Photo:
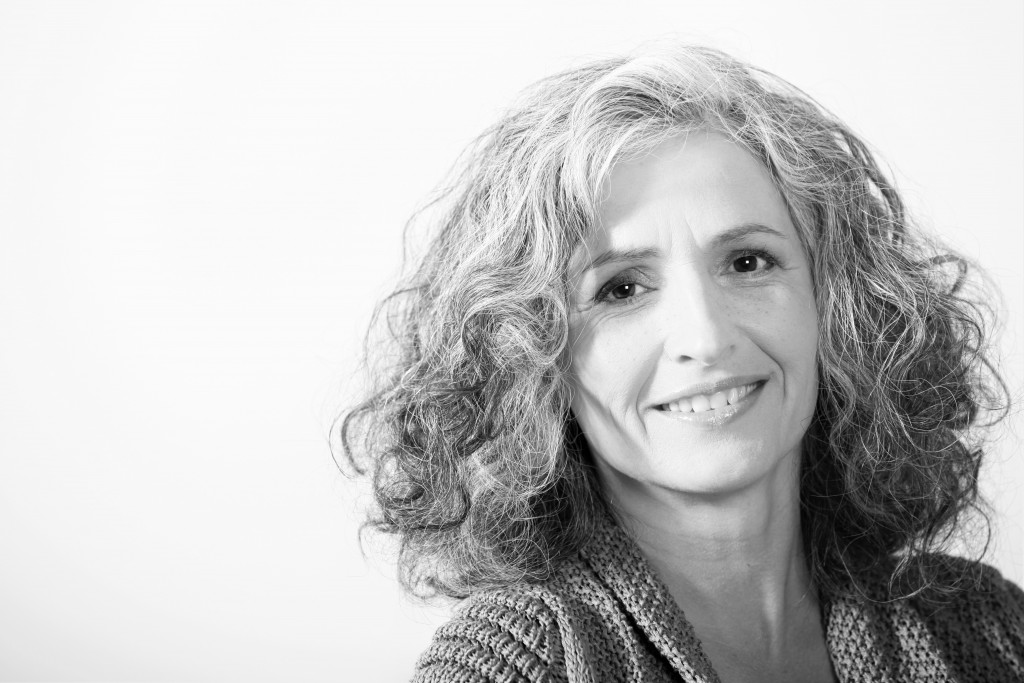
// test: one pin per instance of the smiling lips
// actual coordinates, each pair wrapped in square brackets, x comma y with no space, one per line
[701,403]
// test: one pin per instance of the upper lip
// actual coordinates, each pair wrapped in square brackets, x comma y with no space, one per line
[709,388]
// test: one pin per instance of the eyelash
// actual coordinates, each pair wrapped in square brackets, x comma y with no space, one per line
[619,280]
[604,294]
[770,261]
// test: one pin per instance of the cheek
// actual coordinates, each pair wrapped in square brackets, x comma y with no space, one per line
[604,401]
[799,330]
[797,343]
[783,323]
[608,366]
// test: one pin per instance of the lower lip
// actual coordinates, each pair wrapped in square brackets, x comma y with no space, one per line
[718,416]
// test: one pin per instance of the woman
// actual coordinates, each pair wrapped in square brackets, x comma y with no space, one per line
[678,393]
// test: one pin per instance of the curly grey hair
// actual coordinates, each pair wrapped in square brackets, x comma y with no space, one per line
[476,462]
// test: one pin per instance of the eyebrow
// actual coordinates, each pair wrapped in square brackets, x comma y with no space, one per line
[734,234]
[741,231]
[619,255]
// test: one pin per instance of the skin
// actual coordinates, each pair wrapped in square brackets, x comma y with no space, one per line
[696,274]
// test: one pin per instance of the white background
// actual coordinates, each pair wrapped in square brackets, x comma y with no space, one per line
[199,205]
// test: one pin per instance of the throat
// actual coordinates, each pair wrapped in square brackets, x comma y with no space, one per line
[740,652]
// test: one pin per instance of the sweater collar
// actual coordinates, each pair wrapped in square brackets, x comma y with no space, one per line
[617,560]
[867,637]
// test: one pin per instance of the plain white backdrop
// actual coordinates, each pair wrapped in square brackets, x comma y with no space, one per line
[200,204]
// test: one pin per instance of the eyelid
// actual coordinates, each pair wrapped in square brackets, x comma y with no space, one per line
[771,261]
[628,276]
[635,277]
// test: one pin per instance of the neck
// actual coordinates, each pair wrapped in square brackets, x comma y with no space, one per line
[733,561]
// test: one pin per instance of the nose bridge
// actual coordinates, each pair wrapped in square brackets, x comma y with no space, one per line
[698,326]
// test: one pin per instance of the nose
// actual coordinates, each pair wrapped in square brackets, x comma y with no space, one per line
[698,322]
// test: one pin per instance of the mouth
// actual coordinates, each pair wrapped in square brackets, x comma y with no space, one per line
[719,401]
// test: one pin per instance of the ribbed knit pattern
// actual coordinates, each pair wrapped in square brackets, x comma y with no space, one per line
[605,617]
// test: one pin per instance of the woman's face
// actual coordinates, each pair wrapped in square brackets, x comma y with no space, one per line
[693,330]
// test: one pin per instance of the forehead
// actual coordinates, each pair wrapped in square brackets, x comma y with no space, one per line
[700,181]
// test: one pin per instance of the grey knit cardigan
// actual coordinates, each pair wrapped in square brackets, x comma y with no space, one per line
[605,616]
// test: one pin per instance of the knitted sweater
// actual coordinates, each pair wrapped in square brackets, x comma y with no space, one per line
[605,616]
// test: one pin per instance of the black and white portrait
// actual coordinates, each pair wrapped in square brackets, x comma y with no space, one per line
[560,341]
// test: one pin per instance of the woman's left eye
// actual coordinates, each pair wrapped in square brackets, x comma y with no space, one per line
[753,262]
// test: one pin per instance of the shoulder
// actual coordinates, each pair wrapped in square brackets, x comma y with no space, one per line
[497,635]
[523,632]
[974,593]
[981,626]
[973,626]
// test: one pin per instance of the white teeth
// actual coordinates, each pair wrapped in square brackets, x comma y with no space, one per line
[705,402]
[700,403]
[680,406]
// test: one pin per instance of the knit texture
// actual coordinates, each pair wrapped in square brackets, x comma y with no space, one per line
[605,616]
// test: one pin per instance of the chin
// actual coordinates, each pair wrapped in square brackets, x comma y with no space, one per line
[728,474]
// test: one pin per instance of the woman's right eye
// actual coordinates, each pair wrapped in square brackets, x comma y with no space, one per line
[623,291]
[620,290]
